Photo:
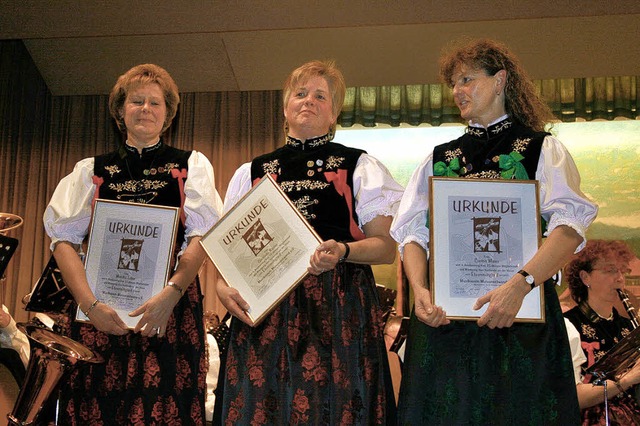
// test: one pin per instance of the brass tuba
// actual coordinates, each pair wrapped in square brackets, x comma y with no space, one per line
[52,356]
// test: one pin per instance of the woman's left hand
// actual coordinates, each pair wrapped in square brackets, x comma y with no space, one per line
[156,312]
[325,257]
[504,304]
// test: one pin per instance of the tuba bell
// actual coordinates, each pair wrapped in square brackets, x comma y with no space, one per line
[52,356]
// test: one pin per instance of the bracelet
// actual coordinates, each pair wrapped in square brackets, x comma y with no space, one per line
[619,386]
[176,287]
[93,305]
[347,249]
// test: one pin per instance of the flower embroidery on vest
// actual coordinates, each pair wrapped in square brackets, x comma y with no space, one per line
[299,185]
[303,203]
[333,162]
[112,169]
[271,167]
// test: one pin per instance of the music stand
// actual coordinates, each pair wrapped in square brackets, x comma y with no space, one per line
[7,248]
[50,295]
[616,362]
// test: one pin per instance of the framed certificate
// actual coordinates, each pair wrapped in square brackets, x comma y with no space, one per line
[481,233]
[129,254]
[262,247]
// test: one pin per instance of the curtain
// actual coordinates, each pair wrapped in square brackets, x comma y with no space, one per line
[42,137]
[569,98]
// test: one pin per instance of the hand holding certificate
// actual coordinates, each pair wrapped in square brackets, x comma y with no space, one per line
[262,247]
[129,254]
[481,233]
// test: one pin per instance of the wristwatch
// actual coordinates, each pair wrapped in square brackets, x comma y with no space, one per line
[344,257]
[528,278]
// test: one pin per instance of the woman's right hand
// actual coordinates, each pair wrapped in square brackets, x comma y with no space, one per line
[105,319]
[426,312]
[235,304]
[631,377]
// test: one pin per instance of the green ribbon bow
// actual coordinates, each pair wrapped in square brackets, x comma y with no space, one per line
[441,169]
[511,166]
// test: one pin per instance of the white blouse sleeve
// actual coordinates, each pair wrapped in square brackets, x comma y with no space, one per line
[67,216]
[12,338]
[239,185]
[410,223]
[577,354]
[202,205]
[375,190]
[561,200]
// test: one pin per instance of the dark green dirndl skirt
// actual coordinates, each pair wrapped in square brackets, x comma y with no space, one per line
[462,374]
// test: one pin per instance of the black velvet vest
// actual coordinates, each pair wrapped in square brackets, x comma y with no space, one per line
[506,150]
[317,175]
[156,176]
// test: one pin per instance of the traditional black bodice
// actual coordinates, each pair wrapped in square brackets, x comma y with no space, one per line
[505,150]
[156,176]
[318,178]
[597,335]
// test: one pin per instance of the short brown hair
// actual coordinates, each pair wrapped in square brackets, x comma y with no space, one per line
[325,69]
[137,76]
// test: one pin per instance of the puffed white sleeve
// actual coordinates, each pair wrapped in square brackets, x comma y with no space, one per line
[577,354]
[561,200]
[410,222]
[375,190]
[202,205]
[239,185]
[12,338]
[68,214]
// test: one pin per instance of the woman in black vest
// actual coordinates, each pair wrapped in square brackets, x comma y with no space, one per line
[319,357]
[594,276]
[155,373]
[493,371]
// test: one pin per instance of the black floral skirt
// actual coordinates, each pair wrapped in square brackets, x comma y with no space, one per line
[143,381]
[318,358]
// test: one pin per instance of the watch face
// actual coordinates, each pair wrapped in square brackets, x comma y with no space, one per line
[529,279]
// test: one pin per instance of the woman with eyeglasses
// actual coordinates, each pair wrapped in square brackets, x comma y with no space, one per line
[595,326]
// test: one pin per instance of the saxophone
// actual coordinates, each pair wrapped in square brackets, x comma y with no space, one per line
[624,297]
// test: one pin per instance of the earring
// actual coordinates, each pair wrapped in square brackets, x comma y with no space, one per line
[286,128]
[331,133]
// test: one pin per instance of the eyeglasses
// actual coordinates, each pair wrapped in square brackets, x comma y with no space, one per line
[612,270]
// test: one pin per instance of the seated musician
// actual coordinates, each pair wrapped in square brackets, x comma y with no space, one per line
[594,326]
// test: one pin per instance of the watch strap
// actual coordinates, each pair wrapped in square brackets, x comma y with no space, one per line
[528,278]
[344,257]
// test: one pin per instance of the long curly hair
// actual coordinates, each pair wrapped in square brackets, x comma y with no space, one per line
[326,69]
[138,76]
[521,99]
[584,261]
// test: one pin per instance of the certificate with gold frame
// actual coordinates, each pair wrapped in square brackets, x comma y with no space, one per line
[482,231]
[129,254]
[262,247]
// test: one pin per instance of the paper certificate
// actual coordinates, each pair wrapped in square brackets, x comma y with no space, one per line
[129,254]
[481,233]
[262,247]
